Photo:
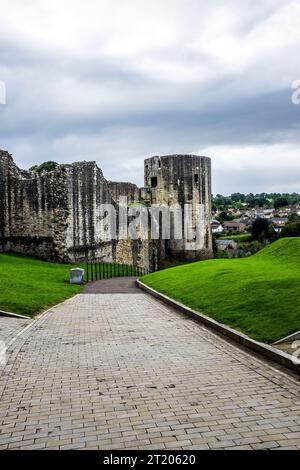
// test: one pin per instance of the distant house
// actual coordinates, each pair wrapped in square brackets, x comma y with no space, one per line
[279,222]
[234,226]
[263,213]
[268,213]
[233,211]
[295,209]
[216,227]
[248,221]
[230,246]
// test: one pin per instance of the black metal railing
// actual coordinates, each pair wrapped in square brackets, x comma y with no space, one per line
[97,271]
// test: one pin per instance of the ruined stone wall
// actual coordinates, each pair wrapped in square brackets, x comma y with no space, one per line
[4,162]
[89,231]
[87,189]
[88,237]
[129,190]
[34,211]
[58,216]
[183,180]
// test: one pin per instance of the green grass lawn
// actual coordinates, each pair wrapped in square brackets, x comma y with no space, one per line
[258,295]
[29,285]
[242,237]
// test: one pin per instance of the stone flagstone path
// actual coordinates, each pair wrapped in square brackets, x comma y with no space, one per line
[123,371]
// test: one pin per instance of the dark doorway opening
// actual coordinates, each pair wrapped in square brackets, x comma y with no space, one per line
[154,182]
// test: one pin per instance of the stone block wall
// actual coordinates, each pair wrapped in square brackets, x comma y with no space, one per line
[57,215]
[129,190]
[184,181]
[34,211]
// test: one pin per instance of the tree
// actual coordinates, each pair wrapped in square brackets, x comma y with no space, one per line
[262,229]
[239,200]
[224,216]
[291,229]
[237,197]
[281,201]
[214,244]
[294,218]
[44,167]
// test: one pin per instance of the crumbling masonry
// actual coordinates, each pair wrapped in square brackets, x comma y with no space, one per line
[55,215]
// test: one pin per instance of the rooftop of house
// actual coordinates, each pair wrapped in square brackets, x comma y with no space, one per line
[233,223]
[226,243]
[279,219]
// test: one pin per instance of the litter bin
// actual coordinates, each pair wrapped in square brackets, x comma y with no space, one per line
[77,276]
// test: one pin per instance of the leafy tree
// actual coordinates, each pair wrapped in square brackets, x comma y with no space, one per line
[44,167]
[237,197]
[214,245]
[221,202]
[294,218]
[262,229]
[238,200]
[294,198]
[291,229]
[224,216]
[281,201]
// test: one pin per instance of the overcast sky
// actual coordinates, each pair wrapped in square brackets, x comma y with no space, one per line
[117,81]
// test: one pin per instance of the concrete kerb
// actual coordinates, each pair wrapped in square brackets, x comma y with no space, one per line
[289,338]
[265,350]
[14,315]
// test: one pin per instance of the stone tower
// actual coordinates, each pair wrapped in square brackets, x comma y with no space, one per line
[185,181]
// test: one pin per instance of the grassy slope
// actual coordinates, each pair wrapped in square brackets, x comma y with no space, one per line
[29,285]
[259,295]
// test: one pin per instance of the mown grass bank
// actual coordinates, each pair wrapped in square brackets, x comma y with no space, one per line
[29,285]
[258,295]
[242,237]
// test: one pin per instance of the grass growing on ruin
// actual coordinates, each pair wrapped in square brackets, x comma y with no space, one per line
[29,285]
[259,295]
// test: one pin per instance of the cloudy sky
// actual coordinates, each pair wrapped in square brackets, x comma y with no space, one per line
[117,81]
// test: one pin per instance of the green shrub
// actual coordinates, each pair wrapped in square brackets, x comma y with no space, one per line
[291,229]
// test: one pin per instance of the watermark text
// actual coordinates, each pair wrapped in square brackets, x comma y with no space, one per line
[296,94]
[2,93]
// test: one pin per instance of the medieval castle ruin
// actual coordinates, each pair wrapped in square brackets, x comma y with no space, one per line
[58,215]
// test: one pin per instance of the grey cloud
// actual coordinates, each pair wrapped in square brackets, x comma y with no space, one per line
[67,106]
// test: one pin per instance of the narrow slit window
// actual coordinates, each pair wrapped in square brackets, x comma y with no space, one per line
[196,178]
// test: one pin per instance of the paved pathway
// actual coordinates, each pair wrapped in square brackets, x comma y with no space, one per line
[120,285]
[10,327]
[123,371]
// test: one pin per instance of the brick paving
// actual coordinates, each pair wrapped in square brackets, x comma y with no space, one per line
[10,326]
[120,285]
[123,371]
